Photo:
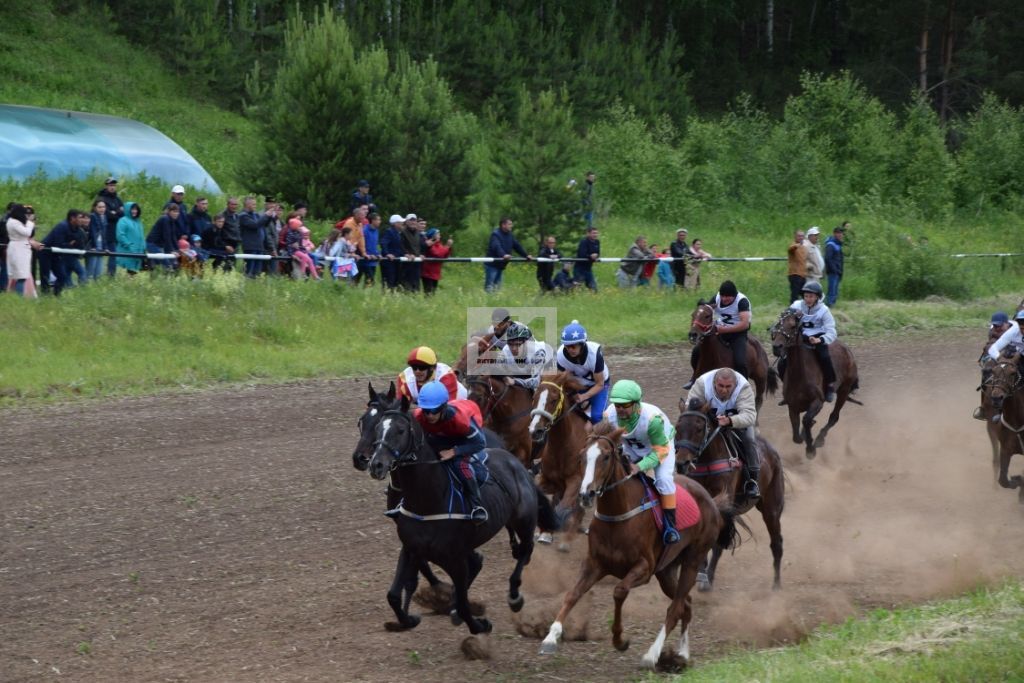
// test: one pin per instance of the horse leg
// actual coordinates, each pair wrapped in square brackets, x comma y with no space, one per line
[993,437]
[591,573]
[460,570]
[620,593]
[1005,454]
[716,555]
[680,610]
[794,420]
[522,551]
[703,582]
[569,510]
[808,421]
[772,515]
[475,564]
[405,575]
[833,418]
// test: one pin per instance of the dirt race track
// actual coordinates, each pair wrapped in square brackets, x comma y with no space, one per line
[224,536]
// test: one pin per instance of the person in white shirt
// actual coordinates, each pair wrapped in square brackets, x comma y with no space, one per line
[819,330]
[1012,339]
[525,359]
[815,261]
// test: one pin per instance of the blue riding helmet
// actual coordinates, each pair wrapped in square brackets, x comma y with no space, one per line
[433,395]
[574,333]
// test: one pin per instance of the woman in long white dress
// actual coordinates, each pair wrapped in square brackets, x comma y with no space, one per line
[20,227]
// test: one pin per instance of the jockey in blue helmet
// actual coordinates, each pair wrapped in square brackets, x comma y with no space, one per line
[585,360]
[453,429]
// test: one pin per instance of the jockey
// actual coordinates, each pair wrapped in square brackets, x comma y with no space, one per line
[819,330]
[1011,339]
[524,357]
[423,368]
[732,318]
[999,324]
[585,361]
[649,443]
[732,397]
[453,430]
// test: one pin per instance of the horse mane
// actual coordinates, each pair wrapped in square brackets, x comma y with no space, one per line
[604,428]
[565,378]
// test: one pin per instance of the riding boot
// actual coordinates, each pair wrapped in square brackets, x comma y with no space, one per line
[478,512]
[753,463]
[978,415]
[689,385]
[670,535]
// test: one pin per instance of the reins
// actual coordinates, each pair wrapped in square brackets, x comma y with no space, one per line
[409,456]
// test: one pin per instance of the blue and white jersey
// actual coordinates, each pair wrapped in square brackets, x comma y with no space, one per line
[1011,339]
[816,320]
[590,362]
[730,315]
[730,404]
[536,358]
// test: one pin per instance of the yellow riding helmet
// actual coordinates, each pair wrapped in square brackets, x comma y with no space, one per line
[422,355]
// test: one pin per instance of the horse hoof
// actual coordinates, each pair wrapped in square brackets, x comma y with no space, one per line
[544,537]
[547,648]
[456,619]
[703,586]
[671,663]
[516,604]
[477,609]
[798,439]
[410,621]
[622,646]
[563,547]
[482,626]
[810,453]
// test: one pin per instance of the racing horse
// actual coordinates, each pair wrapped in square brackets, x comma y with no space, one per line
[558,431]
[1003,385]
[431,529]
[803,385]
[438,595]
[715,353]
[506,409]
[719,470]
[625,542]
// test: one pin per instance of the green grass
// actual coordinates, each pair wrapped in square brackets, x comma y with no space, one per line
[973,638]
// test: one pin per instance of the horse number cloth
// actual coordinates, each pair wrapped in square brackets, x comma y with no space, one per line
[687,510]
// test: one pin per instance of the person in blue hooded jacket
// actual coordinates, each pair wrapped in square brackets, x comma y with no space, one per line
[129,238]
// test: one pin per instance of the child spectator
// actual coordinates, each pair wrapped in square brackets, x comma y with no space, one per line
[647,272]
[665,271]
[188,259]
[431,272]
[304,264]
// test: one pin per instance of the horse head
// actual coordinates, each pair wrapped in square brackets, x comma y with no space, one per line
[702,322]
[1003,380]
[785,332]
[604,464]
[397,440]
[484,393]
[377,404]
[695,428]
[552,400]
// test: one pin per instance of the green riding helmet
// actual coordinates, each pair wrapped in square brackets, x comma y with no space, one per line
[626,391]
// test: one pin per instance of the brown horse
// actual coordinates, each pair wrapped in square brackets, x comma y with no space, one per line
[625,542]
[719,470]
[1004,385]
[715,353]
[803,385]
[558,432]
[988,411]
[506,410]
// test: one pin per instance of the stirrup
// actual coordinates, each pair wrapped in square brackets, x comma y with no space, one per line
[670,536]
[751,489]
[689,385]
[978,414]
[479,514]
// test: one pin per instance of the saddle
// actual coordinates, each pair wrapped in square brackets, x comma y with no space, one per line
[687,510]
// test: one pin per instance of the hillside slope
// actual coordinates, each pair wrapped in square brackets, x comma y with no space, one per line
[75,61]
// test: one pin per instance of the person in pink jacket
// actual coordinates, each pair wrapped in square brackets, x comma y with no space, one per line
[431,273]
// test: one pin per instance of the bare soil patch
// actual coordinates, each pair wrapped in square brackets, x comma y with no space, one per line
[224,535]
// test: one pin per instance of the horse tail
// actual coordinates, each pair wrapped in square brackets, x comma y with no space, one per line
[728,535]
[547,518]
[773,380]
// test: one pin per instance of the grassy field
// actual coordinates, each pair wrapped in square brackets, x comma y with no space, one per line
[973,638]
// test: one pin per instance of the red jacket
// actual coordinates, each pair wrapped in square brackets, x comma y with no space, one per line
[432,269]
[458,429]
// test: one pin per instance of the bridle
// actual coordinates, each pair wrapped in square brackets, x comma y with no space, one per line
[706,329]
[707,435]
[415,442]
[490,400]
[553,417]
[607,483]
[991,381]
[790,337]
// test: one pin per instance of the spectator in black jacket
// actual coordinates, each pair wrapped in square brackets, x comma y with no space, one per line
[679,250]
[70,233]
[115,208]
[362,197]
[501,246]
[252,235]
[589,249]
[546,271]
[216,244]
[412,244]
[163,236]
[178,198]
[231,236]
[199,220]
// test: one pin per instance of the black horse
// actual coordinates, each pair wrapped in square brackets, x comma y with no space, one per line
[429,531]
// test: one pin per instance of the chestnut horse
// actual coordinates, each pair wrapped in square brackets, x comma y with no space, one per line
[558,432]
[506,410]
[717,469]
[803,385]
[715,353]
[625,542]
[1004,385]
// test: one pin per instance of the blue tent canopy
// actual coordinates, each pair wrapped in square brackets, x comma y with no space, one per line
[62,143]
